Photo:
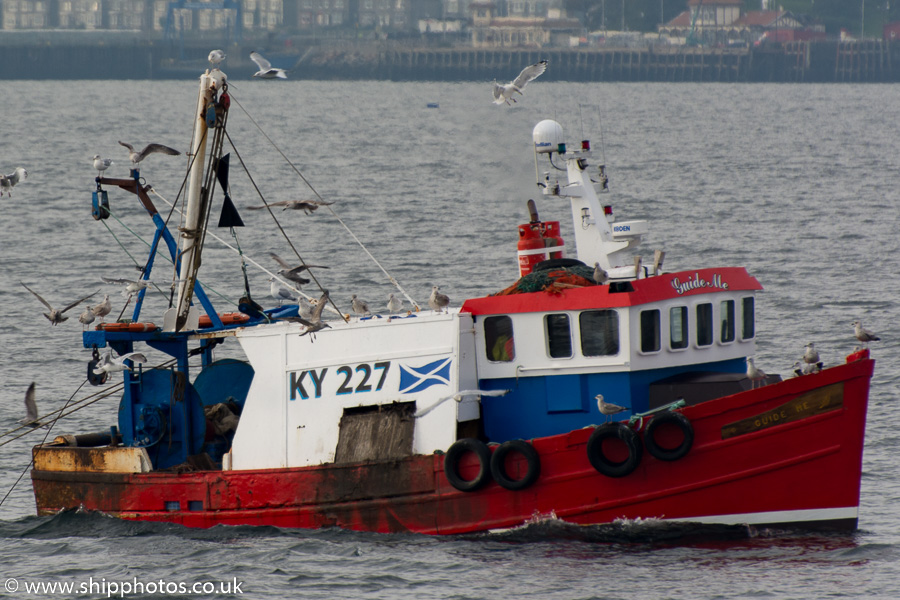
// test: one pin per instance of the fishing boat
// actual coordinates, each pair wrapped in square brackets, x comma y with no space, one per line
[596,386]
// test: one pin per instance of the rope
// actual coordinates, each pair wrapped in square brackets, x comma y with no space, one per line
[390,277]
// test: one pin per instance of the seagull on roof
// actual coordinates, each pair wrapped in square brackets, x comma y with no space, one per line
[149,149]
[438,301]
[280,292]
[293,273]
[56,316]
[108,364]
[266,70]
[600,275]
[314,323]
[131,286]
[608,408]
[7,182]
[360,306]
[756,375]
[31,411]
[101,164]
[864,335]
[215,58]
[307,206]
[504,93]
[394,304]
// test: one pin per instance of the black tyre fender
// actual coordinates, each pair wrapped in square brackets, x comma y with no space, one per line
[498,463]
[455,454]
[602,463]
[669,454]
[557,263]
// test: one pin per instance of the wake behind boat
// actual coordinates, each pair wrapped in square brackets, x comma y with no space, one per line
[591,388]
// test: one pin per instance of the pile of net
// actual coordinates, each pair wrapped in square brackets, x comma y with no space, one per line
[552,280]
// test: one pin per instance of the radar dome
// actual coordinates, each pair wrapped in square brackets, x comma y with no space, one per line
[547,135]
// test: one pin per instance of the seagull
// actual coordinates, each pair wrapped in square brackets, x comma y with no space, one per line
[503,93]
[7,182]
[394,304]
[149,149]
[215,57]
[600,276]
[101,164]
[266,70]
[864,335]
[87,317]
[803,368]
[608,408]
[293,273]
[280,292]
[131,286]
[314,323]
[108,364]
[104,308]
[360,306]
[438,302]
[56,316]
[811,356]
[307,206]
[31,411]
[755,375]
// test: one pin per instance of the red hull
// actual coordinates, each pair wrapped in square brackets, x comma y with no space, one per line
[788,453]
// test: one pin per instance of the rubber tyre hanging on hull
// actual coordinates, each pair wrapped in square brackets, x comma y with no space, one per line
[669,454]
[451,464]
[498,465]
[602,463]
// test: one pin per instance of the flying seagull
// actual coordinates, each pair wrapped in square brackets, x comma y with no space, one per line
[102,164]
[266,70]
[307,206]
[31,411]
[608,408]
[149,149]
[108,364]
[131,286]
[864,335]
[360,306]
[56,316]
[293,273]
[7,182]
[215,57]
[438,301]
[315,323]
[504,93]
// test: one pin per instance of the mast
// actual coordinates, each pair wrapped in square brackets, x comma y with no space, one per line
[191,233]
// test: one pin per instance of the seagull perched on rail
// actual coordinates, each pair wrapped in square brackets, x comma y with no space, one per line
[314,323]
[755,375]
[101,164]
[31,411]
[104,308]
[149,149]
[280,292]
[864,335]
[394,304]
[56,316]
[504,93]
[307,206]
[108,364]
[7,182]
[266,70]
[215,58]
[359,306]
[438,301]
[600,275]
[608,408]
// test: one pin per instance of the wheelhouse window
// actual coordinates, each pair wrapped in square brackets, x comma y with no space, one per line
[559,335]
[678,323]
[726,320]
[599,332]
[650,331]
[498,339]
[704,324]
[748,327]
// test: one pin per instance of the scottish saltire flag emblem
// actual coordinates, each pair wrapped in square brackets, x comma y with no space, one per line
[416,379]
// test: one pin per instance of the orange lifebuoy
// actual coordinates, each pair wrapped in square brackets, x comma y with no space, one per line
[129,327]
[227,319]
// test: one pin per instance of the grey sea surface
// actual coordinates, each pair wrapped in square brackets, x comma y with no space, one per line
[799,183]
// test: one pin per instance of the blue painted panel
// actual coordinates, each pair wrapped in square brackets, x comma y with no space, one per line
[563,393]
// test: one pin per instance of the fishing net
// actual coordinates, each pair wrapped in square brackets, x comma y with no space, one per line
[552,280]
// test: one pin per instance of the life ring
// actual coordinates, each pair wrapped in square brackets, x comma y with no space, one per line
[669,418]
[129,327]
[601,462]
[232,318]
[498,464]
[455,454]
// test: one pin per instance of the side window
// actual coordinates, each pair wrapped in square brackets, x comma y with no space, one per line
[650,330]
[678,322]
[498,339]
[748,328]
[704,324]
[599,332]
[726,318]
[559,336]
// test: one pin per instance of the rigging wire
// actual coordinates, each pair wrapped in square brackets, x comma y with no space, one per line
[390,277]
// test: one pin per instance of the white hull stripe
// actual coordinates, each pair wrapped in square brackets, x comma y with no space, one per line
[779,516]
